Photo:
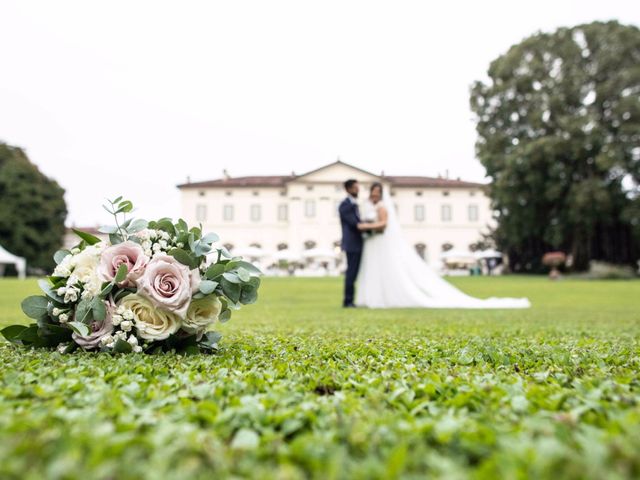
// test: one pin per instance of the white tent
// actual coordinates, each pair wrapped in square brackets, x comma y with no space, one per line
[458,256]
[7,258]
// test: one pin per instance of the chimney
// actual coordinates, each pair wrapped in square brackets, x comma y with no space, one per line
[225,174]
[188,179]
[446,174]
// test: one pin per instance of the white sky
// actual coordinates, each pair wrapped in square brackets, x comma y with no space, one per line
[131,97]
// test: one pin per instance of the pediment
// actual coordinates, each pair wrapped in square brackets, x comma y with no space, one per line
[337,172]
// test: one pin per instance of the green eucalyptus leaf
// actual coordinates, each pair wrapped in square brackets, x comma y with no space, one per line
[231,277]
[108,229]
[137,226]
[183,257]
[35,306]
[60,255]
[79,328]
[210,238]
[98,309]
[207,286]
[215,271]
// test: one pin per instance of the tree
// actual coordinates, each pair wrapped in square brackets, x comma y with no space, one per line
[32,210]
[558,127]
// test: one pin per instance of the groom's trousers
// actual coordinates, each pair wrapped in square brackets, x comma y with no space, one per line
[353,266]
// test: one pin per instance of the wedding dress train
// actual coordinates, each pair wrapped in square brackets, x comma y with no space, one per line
[392,275]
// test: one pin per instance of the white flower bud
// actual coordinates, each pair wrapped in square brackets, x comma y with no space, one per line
[64,318]
[128,314]
[56,312]
[126,325]
[61,291]
[133,341]
[137,349]
[116,320]
[62,347]
[104,341]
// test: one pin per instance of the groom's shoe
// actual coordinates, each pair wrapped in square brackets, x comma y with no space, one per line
[349,305]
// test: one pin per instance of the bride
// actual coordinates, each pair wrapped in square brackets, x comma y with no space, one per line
[392,274]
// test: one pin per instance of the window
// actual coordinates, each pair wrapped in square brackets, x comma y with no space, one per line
[421,250]
[201,193]
[255,213]
[282,246]
[255,193]
[446,213]
[309,244]
[309,208]
[445,194]
[418,213]
[227,213]
[201,212]
[283,212]
[473,213]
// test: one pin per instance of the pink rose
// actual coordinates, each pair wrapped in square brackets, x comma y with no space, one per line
[167,283]
[128,253]
[97,330]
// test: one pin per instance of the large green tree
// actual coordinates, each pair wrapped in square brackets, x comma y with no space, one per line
[558,124]
[32,209]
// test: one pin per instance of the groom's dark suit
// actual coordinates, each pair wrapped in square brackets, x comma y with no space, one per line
[351,244]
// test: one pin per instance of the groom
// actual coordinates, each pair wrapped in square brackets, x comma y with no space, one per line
[351,239]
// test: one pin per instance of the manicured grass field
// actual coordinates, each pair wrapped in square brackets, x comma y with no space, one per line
[304,389]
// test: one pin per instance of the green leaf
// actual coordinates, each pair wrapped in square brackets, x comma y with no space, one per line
[108,229]
[84,310]
[12,333]
[215,271]
[45,286]
[29,335]
[210,238]
[121,274]
[224,316]
[231,277]
[183,257]
[124,206]
[115,239]
[35,306]
[207,286]
[231,290]
[243,274]
[137,226]
[98,309]
[87,237]
[122,347]
[60,255]
[116,200]
[106,289]
[248,295]
[79,328]
[166,225]
[201,249]
[182,225]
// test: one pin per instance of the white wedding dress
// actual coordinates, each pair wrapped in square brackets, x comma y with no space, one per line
[392,274]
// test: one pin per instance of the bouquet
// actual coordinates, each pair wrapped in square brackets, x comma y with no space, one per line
[154,286]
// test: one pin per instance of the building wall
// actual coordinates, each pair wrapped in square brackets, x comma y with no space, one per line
[320,193]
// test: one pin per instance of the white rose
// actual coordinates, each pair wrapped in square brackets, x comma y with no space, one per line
[152,322]
[201,314]
[86,270]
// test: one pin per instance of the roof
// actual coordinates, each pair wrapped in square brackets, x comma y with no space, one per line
[253,181]
[282,180]
[434,182]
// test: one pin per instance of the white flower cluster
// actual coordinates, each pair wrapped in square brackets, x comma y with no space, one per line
[62,315]
[80,270]
[109,341]
[155,242]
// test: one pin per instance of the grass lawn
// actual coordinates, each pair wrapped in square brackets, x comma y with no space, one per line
[304,389]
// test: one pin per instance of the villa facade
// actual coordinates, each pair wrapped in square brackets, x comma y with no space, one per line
[300,212]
